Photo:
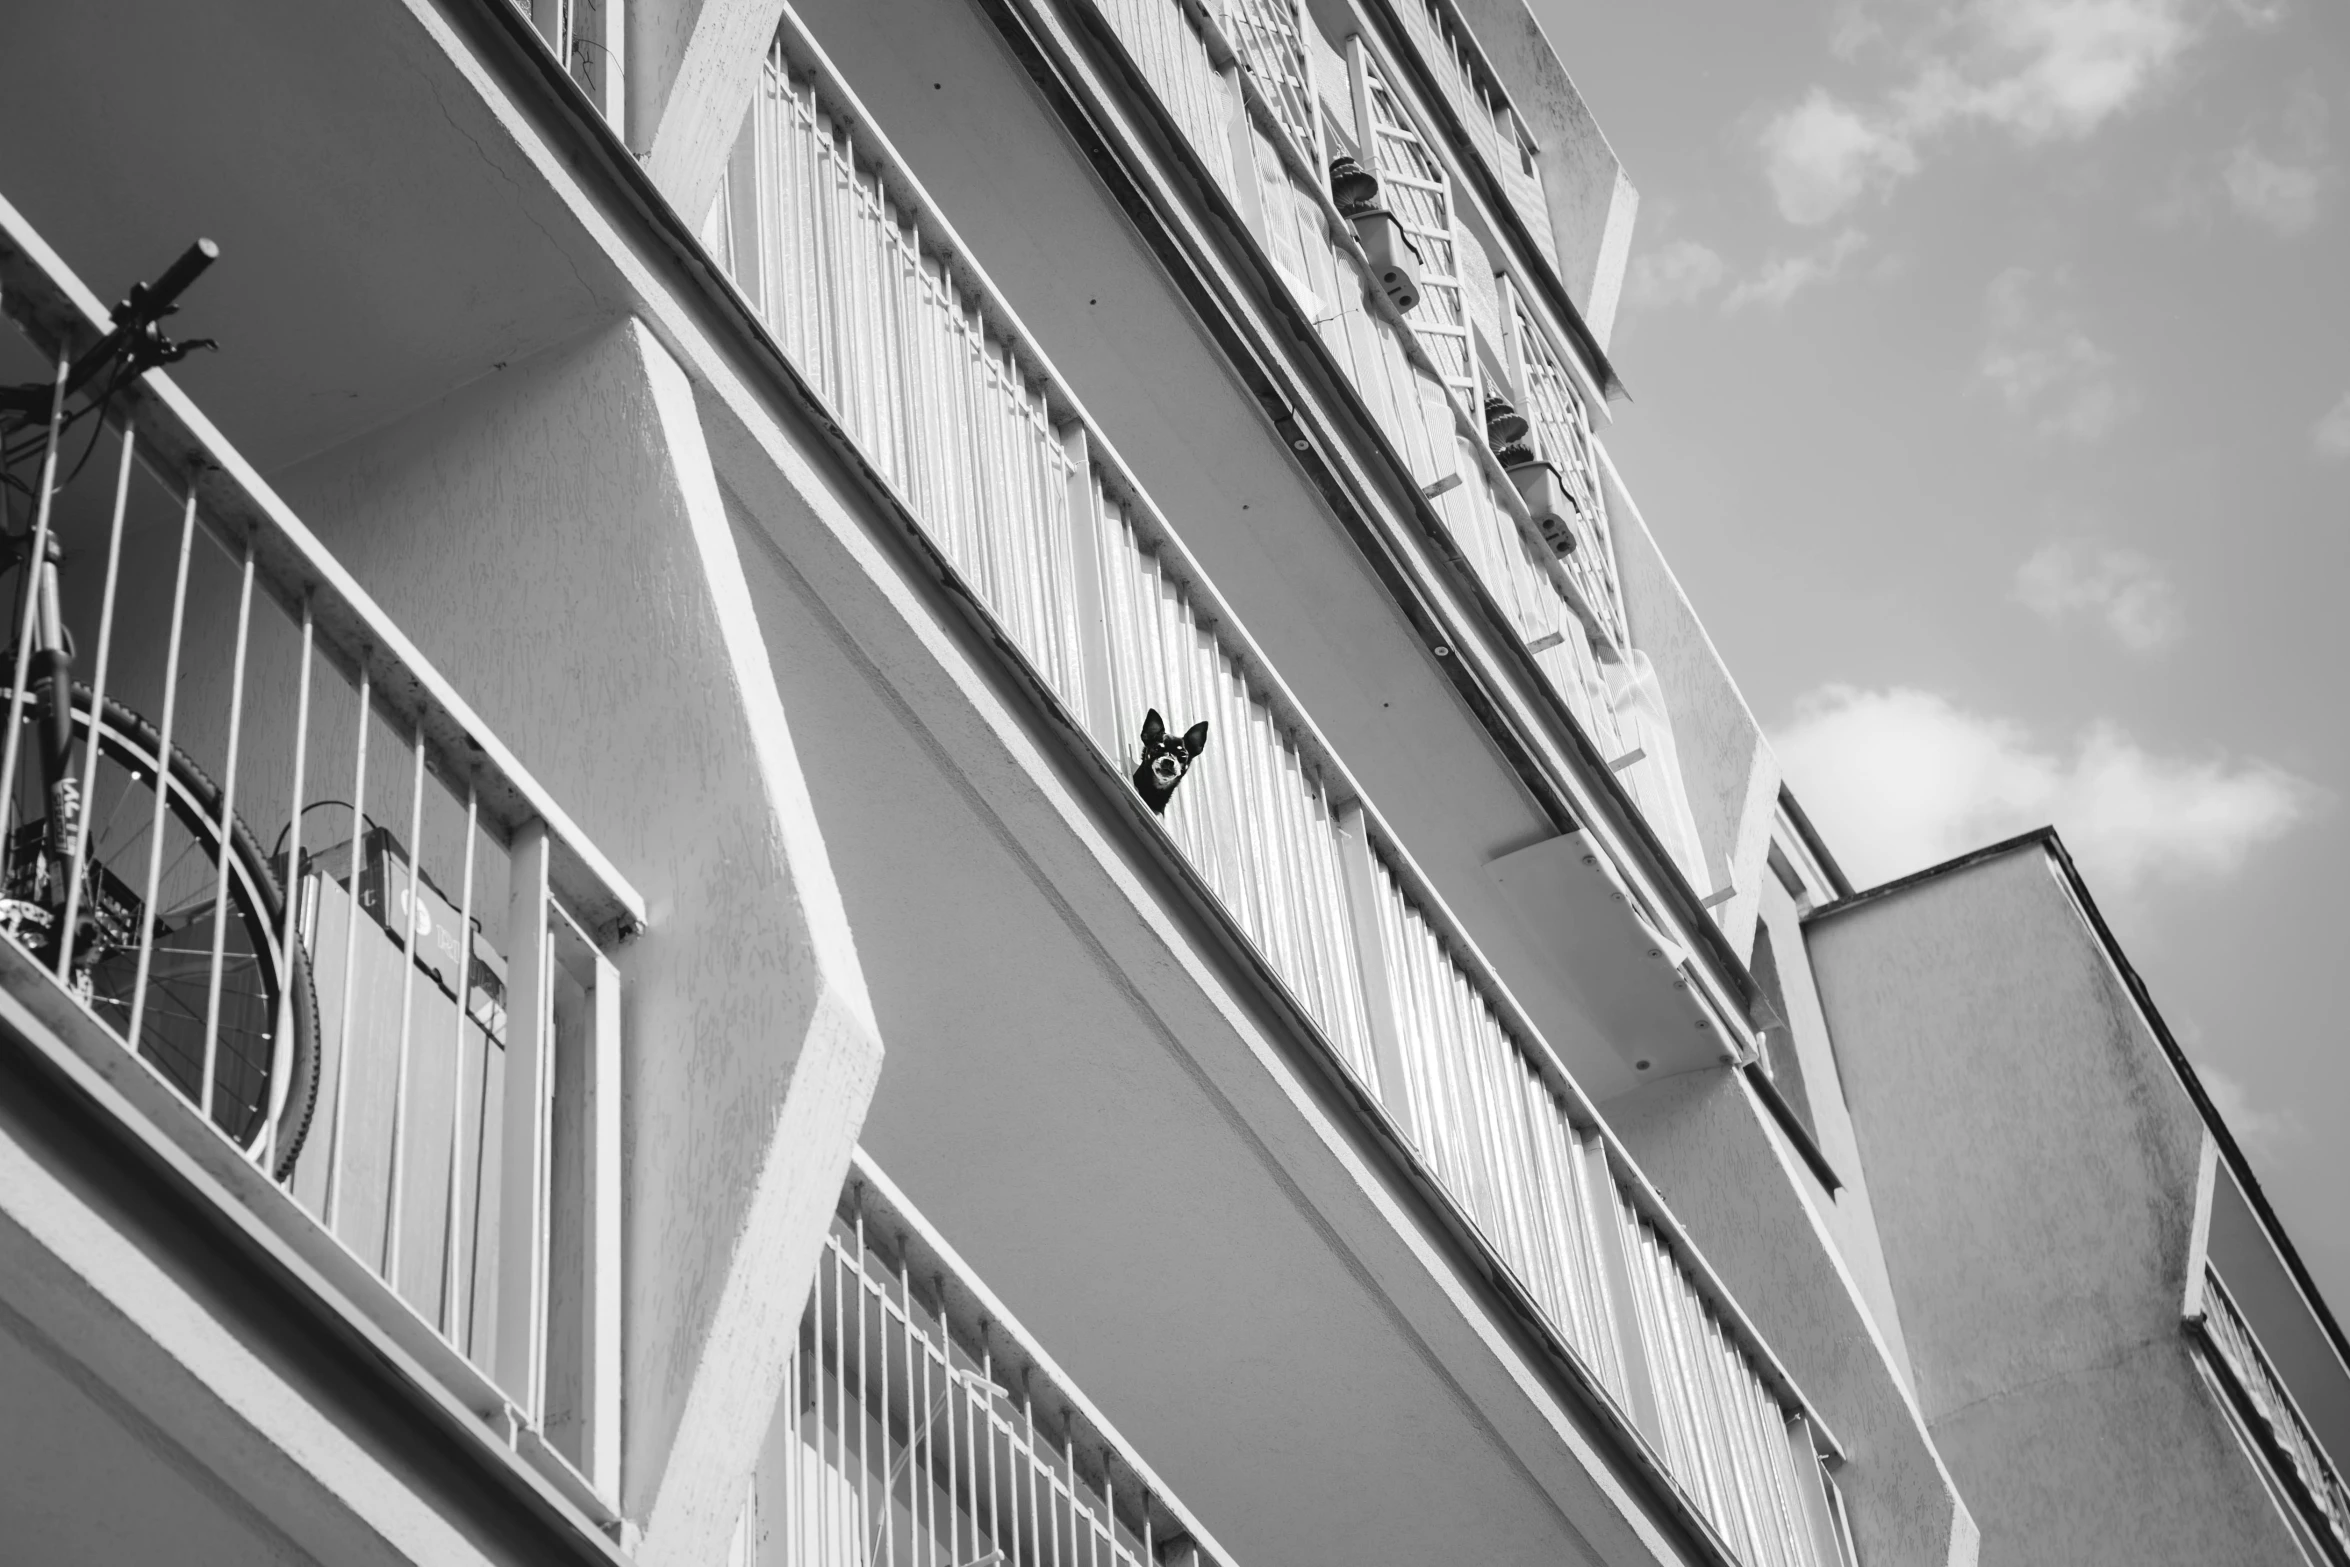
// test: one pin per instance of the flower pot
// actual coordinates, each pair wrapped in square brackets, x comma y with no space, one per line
[1352,186]
[1545,495]
[1394,263]
[1504,425]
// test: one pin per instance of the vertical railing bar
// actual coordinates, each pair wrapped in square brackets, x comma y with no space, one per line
[281,1056]
[394,1207]
[171,677]
[449,1253]
[864,1395]
[77,859]
[997,1425]
[335,1149]
[946,1360]
[913,1407]
[828,1380]
[885,1534]
[36,557]
[225,834]
[543,1174]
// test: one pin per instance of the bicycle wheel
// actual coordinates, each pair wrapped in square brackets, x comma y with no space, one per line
[265,1056]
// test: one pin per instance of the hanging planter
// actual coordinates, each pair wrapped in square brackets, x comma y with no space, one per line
[1395,261]
[1546,498]
[1506,429]
[1352,186]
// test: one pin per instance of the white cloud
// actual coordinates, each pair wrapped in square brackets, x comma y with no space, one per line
[2280,196]
[1901,779]
[2332,435]
[2121,589]
[1783,277]
[2044,367]
[2283,190]
[1820,156]
[2046,68]
[2277,174]
[1676,273]
[2036,70]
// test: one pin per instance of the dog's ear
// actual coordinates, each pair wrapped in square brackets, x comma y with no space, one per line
[1154,728]
[1195,739]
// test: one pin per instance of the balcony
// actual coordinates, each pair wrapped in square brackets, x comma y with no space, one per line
[1021,505]
[588,40]
[311,930]
[2280,1430]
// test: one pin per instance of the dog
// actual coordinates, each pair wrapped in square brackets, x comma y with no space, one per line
[1165,759]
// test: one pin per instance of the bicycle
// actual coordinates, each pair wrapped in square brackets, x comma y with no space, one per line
[166,879]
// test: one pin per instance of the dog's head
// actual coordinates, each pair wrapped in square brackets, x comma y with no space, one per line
[1166,758]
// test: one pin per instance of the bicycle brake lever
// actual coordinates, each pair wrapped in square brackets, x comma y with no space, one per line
[170,353]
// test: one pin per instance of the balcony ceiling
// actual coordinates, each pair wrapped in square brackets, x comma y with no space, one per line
[380,240]
[89,1481]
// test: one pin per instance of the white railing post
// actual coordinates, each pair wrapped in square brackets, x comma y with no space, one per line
[1363,898]
[1819,1509]
[1093,614]
[1639,1389]
[522,1179]
[600,1445]
[608,62]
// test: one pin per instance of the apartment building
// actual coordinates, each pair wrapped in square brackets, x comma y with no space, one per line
[630,946]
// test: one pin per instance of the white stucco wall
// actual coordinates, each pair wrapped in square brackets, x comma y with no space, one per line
[2033,1160]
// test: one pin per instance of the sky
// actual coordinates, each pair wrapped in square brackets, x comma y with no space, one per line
[1989,365]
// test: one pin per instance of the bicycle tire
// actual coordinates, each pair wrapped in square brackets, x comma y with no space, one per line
[193,801]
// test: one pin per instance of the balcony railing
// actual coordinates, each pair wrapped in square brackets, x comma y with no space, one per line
[1421,377]
[366,972]
[589,39]
[1492,122]
[919,1427]
[915,357]
[2308,1470]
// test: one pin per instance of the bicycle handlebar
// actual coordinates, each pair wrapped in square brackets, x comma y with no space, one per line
[165,290]
[148,304]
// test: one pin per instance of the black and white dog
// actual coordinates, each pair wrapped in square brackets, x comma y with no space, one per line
[1165,759]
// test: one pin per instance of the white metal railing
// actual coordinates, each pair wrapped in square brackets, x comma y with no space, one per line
[589,38]
[1496,132]
[1254,816]
[918,1427]
[1270,38]
[902,349]
[395,1003]
[1172,45]
[2306,1466]
[917,359]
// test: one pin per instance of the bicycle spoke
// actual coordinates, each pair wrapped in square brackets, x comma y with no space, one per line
[182,918]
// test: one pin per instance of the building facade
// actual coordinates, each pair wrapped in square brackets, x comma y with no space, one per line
[898,785]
